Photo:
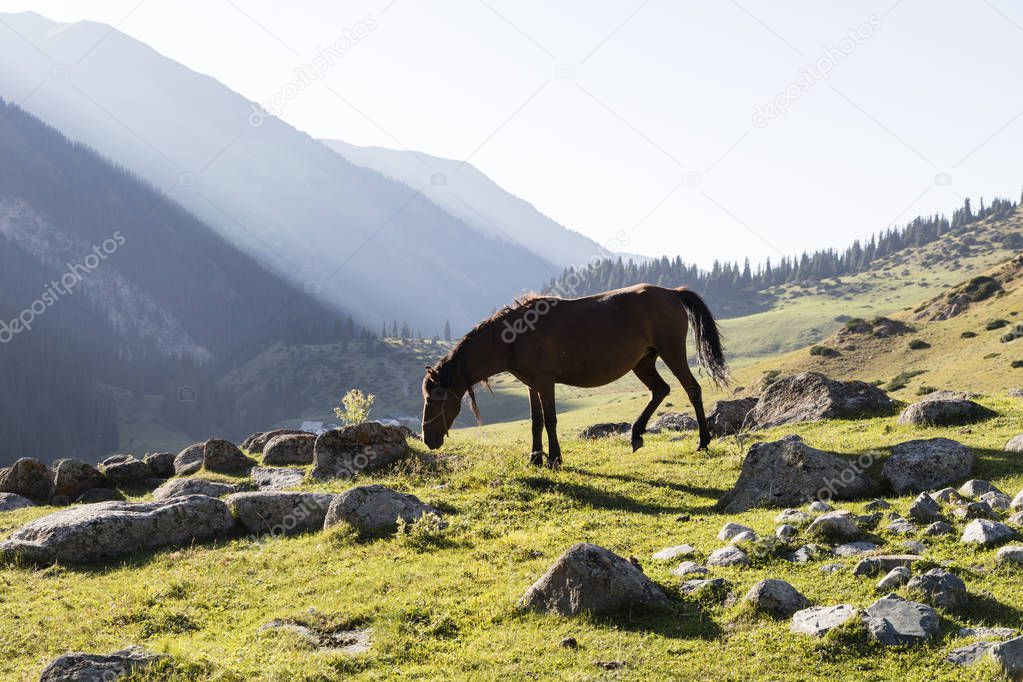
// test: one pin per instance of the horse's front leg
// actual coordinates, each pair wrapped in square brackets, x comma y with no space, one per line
[536,415]
[550,421]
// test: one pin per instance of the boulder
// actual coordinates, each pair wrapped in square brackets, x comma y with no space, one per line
[786,532]
[342,453]
[925,509]
[374,509]
[776,598]
[835,526]
[128,472]
[940,588]
[819,620]
[181,487]
[99,495]
[976,487]
[819,507]
[1015,444]
[224,457]
[877,505]
[730,530]
[1010,555]
[276,478]
[894,579]
[12,502]
[919,465]
[603,430]
[591,579]
[728,556]
[728,416]
[257,441]
[161,464]
[72,477]
[811,397]
[944,412]
[189,460]
[1009,657]
[893,621]
[290,448]
[83,667]
[788,472]
[279,513]
[29,478]
[674,421]
[987,533]
[93,532]
[997,500]
[669,553]
[247,443]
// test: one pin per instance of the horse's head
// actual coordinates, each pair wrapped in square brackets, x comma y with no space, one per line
[441,405]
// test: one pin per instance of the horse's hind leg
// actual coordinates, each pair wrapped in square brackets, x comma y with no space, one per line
[674,357]
[536,415]
[550,421]
[646,371]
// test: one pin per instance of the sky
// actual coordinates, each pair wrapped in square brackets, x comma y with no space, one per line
[708,130]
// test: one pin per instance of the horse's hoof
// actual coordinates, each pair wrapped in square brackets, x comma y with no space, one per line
[637,443]
[703,447]
[553,463]
[536,458]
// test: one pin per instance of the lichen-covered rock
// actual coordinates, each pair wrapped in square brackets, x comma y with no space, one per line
[689,568]
[93,532]
[944,413]
[925,509]
[976,487]
[605,429]
[72,477]
[375,509]
[711,589]
[12,502]
[788,472]
[1009,657]
[291,448]
[180,487]
[819,620]
[728,556]
[161,464]
[893,621]
[674,421]
[29,478]
[343,453]
[189,460]
[84,667]
[127,472]
[730,530]
[224,457]
[884,563]
[836,526]
[277,513]
[776,598]
[895,578]
[276,478]
[728,416]
[920,465]
[669,553]
[811,397]
[939,528]
[590,579]
[987,533]
[1010,555]
[855,548]
[940,588]
[257,441]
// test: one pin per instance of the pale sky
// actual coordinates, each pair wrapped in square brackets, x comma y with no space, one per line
[637,117]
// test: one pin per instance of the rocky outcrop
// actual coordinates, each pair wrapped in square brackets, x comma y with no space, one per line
[270,512]
[291,448]
[375,509]
[342,453]
[920,465]
[29,478]
[936,412]
[811,397]
[788,472]
[591,579]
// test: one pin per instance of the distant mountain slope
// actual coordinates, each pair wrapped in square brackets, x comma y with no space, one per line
[465,192]
[372,245]
[106,283]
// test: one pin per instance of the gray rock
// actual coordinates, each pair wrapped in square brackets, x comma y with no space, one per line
[128,472]
[811,397]
[83,667]
[969,654]
[788,473]
[974,510]
[1010,555]
[776,598]
[72,477]
[884,563]
[728,416]
[272,512]
[93,532]
[292,448]
[925,509]
[730,530]
[987,633]
[591,579]
[836,526]
[940,588]
[256,443]
[713,588]
[1017,502]
[1015,444]
[674,421]
[161,464]
[987,533]
[689,568]
[944,412]
[276,478]
[728,556]
[920,465]
[976,488]
[12,502]
[939,528]
[894,579]
[946,496]
[350,642]
[855,548]
[604,430]
[189,460]
[1016,519]
[795,517]
[893,621]
[832,568]
[818,507]
[913,547]
[819,620]
[342,453]
[669,553]
[182,487]
[806,554]
[29,478]
[901,526]
[867,522]
[224,457]
[116,459]
[786,532]
[1009,656]
[997,500]
[745,537]
[877,505]
[374,509]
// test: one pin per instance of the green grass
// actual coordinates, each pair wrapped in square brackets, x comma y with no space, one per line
[442,603]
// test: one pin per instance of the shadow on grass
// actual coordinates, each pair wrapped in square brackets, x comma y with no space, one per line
[677,487]
[983,608]
[682,620]
[599,499]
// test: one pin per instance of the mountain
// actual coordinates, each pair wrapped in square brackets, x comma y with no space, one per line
[364,242]
[109,289]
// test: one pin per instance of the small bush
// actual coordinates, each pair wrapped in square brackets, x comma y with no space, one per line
[968,335]
[824,352]
[925,390]
[918,344]
[902,380]
[981,288]
[1016,364]
[355,407]
[425,532]
[995,324]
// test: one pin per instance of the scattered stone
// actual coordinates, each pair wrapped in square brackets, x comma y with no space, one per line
[811,397]
[375,509]
[29,478]
[276,478]
[818,507]
[776,598]
[939,588]
[224,457]
[987,533]
[974,510]
[901,526]
[806,554]
[291,448]
[603,430]
[181,487]
[669,553]
[895,578]
[893,621]
[988,633]
[127,472]
[730,530]
[945,412]
[588,578]
[343,453]
[969,654]
[867,522]
[795,517]
[913,547]
[728,556]
[854,548]
[1017,502]
[884,563]
[836,526]
[689,568]
[116,459]
[83,667]
[786,532]
[1015,444]
[88,533]
[925,509]
[1009,655]
[877,505]
[788,473]
[997,500]
[12,501]
[189,460]
[716,588]
[919,465]
[1016,519]
[72,477]
[674,421]
[279,513]
[744,537]
[939,528]
[946,496]
[976,488]
[728,416]
[819,620]
[161,464]
[1011,555]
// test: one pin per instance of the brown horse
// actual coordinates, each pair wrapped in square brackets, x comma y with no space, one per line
[588,342]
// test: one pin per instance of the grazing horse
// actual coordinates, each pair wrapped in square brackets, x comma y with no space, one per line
[587,342]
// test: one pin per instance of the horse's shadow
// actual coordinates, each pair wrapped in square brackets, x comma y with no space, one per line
[598,498]
[698,491]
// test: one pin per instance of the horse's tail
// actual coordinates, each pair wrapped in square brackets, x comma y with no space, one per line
[708,336]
